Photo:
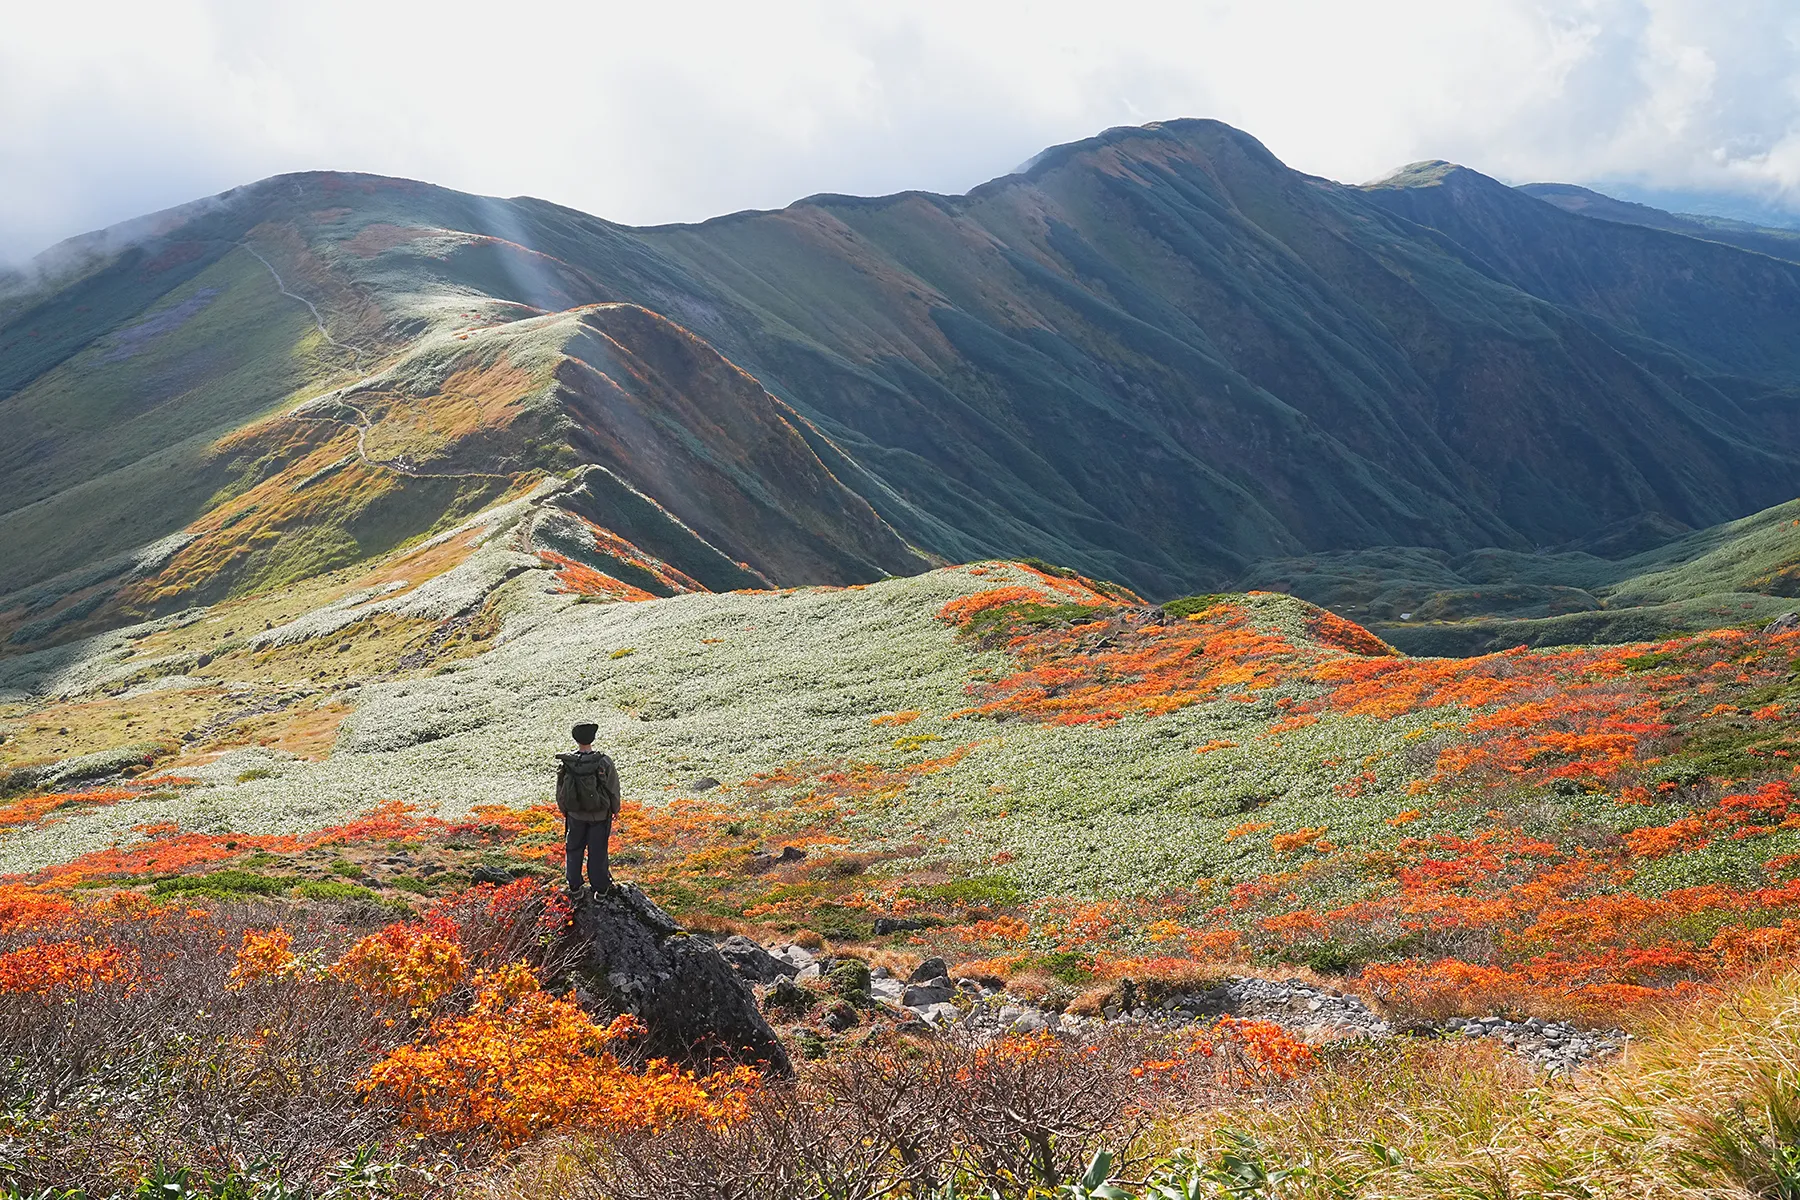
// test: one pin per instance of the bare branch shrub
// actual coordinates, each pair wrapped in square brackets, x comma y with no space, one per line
[168,1061]
[910,1116]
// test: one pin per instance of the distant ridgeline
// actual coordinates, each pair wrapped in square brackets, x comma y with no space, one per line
[1158,356]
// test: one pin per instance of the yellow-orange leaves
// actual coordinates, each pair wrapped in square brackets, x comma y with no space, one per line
[1282,843]
[522,1062]
[404,963]
[44,968]
[265,954]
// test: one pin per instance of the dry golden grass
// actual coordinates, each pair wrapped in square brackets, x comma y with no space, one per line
[721,927]
[1091,1002]
[1705,1105]
[899,963]
[475,397]
[1040,988]
[306,731]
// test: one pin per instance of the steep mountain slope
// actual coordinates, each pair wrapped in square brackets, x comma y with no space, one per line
[1158,354]
[1199,320]
[251,442]
[1725,312]
[1763,239]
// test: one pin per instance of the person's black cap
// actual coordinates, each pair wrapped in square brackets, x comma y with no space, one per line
[584,733]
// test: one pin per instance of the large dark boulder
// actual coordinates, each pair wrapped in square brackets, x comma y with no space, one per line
[636,959]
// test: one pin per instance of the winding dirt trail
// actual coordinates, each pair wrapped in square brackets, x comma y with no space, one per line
[318,318]
[363,424]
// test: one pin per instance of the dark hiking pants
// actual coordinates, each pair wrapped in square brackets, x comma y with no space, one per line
[589,837]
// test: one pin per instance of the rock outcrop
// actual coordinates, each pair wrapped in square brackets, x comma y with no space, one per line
[634,958]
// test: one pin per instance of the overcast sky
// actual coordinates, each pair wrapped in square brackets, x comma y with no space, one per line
[649,112]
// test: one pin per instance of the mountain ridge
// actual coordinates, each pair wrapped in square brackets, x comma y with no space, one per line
[1157,354]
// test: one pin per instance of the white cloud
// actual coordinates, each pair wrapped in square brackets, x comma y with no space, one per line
[646,113]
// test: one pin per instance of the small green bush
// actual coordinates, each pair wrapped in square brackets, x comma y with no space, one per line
[222,884]
[1012,619]
[1187,606]
[1065,966]
[849,978]
[977,891]
[1050,568]
[332,890]
[841,923]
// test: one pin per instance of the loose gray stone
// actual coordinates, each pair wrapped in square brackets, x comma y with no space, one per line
[937,991]
[753,962]
[931,968]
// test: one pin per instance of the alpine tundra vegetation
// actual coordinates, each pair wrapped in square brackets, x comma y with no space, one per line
[1094,812]
[1452,849]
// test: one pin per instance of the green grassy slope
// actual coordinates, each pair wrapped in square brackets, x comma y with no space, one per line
[776,686]
[288,415]
[1429,602]
[1637,280]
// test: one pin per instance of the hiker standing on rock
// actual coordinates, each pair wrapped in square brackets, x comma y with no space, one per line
[587,792]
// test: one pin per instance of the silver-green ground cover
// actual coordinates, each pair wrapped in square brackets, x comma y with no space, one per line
[729,686]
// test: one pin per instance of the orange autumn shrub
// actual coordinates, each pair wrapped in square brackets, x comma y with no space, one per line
[1246,829]
[404,963]
[1348,636]
[27,908]
[521,1062]
[1240,1051]
[35,808]
[1655,841]
[496,925]
[1762,810]
[1151,669]
[264,955]
[994,929]
[1589,991]
[581,579]
[1215,943]
[1282,843]
[1270,1051]
[1741,948]
[963,609]
[45,968]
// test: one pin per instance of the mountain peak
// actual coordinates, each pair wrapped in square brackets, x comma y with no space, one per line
[1431,172]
